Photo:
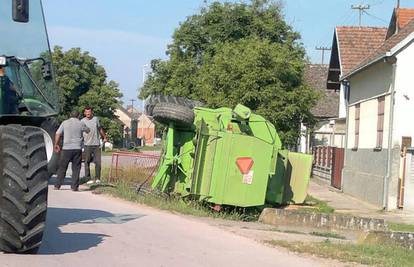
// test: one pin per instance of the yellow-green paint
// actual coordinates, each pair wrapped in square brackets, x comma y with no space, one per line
[201,162]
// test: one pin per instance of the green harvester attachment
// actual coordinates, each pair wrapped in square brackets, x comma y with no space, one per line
[227,157]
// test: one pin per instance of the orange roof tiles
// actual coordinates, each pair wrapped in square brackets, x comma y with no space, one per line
[386,46]
[404,15]
[355,43]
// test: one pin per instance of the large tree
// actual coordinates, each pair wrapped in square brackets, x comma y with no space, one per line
[83,82]
[233,53]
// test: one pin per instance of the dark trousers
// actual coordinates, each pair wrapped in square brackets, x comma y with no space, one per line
[74,156]
[93,154]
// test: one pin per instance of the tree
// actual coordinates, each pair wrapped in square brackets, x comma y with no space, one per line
[233,53]
[83,82]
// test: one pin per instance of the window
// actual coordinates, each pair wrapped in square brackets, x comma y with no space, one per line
[380,121]
[357,112]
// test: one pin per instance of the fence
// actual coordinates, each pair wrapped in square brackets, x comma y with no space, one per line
[328,162]
[133,167]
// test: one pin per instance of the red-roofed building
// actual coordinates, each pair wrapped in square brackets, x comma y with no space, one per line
[379,158]
[400,18]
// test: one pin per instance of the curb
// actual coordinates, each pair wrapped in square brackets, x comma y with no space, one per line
[321,220]
[376,229]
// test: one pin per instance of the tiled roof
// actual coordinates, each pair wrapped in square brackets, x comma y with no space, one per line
[355,43]
[315,77]
[386,46]
[404,15]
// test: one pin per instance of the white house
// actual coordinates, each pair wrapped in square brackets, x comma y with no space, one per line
[379,124]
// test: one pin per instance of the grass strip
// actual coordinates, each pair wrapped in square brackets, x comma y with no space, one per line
[401,227]
[369,254]
[125,191]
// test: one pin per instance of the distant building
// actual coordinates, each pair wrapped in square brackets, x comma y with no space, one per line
[145,127]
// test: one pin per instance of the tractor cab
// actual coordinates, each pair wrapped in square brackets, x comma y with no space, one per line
[26,75]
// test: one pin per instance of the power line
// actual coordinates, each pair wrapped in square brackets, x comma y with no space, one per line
[361,9]
[375,17]
[323,49]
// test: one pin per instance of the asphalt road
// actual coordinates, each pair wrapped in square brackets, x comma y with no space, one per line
[84,229]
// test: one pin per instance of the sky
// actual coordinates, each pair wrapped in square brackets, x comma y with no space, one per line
[125,35]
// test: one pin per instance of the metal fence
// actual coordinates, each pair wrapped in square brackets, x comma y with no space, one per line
[134,167]
[328,162]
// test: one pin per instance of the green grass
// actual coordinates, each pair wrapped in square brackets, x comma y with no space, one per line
[315,205]
[400,227]
[328,235]
[124,190]
[369,254]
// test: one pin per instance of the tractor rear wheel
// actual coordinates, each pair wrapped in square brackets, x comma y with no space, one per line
[23,188]
[167,113]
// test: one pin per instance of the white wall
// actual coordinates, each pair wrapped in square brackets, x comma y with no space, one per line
[366,87]
[373,81]
[342,102]
[404,96]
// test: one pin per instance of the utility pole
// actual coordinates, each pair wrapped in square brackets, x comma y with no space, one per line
[361,9]
[323,49]
[132,104]
[398,3]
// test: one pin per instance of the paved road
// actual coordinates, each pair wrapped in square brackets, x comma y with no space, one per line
[84,229]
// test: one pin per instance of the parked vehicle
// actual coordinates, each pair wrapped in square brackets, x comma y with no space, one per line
[28,105]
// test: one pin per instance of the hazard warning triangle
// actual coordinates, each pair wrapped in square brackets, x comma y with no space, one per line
[244,164]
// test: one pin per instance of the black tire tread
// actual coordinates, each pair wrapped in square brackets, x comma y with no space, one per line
[23,188]
[171,112]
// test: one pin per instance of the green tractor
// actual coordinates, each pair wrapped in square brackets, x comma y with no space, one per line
[28,105]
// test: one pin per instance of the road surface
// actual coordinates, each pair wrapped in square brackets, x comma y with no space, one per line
[84,229]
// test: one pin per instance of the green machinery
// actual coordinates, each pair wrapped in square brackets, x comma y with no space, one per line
[227,157]
[28,107]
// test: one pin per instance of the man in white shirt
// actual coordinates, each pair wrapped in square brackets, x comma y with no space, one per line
[92,145]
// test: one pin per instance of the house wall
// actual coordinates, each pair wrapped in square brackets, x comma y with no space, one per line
[404,96]
[126,120]
[146,130]
[342,102]
[365,167]
[403,113]
[330,133]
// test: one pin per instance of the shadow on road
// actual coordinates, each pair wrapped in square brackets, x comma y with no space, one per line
[57,242]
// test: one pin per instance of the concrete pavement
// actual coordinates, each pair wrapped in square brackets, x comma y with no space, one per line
[84,229]
[343,203]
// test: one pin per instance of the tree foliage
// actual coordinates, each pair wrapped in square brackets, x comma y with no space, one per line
[233,53]
[83,82]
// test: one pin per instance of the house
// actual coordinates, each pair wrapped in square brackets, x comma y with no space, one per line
[380,101]
[325,110]
[136,123]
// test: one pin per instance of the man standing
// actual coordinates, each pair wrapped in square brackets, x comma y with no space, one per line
[92,145]
[72,130]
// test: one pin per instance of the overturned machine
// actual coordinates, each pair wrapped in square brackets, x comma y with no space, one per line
[226,156]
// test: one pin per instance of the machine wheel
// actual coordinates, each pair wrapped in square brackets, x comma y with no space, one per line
[166,113]
[23,188]
[49,128]
[154,100]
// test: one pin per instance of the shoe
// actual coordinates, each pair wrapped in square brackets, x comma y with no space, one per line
[75,190]
[90,182]
[98,181]
[57,187]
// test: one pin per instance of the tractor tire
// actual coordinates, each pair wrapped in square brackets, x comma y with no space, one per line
[167,113]
[49,127]
[23,188]
[154,100]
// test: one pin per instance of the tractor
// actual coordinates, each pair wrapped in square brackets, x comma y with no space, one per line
[28,107]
